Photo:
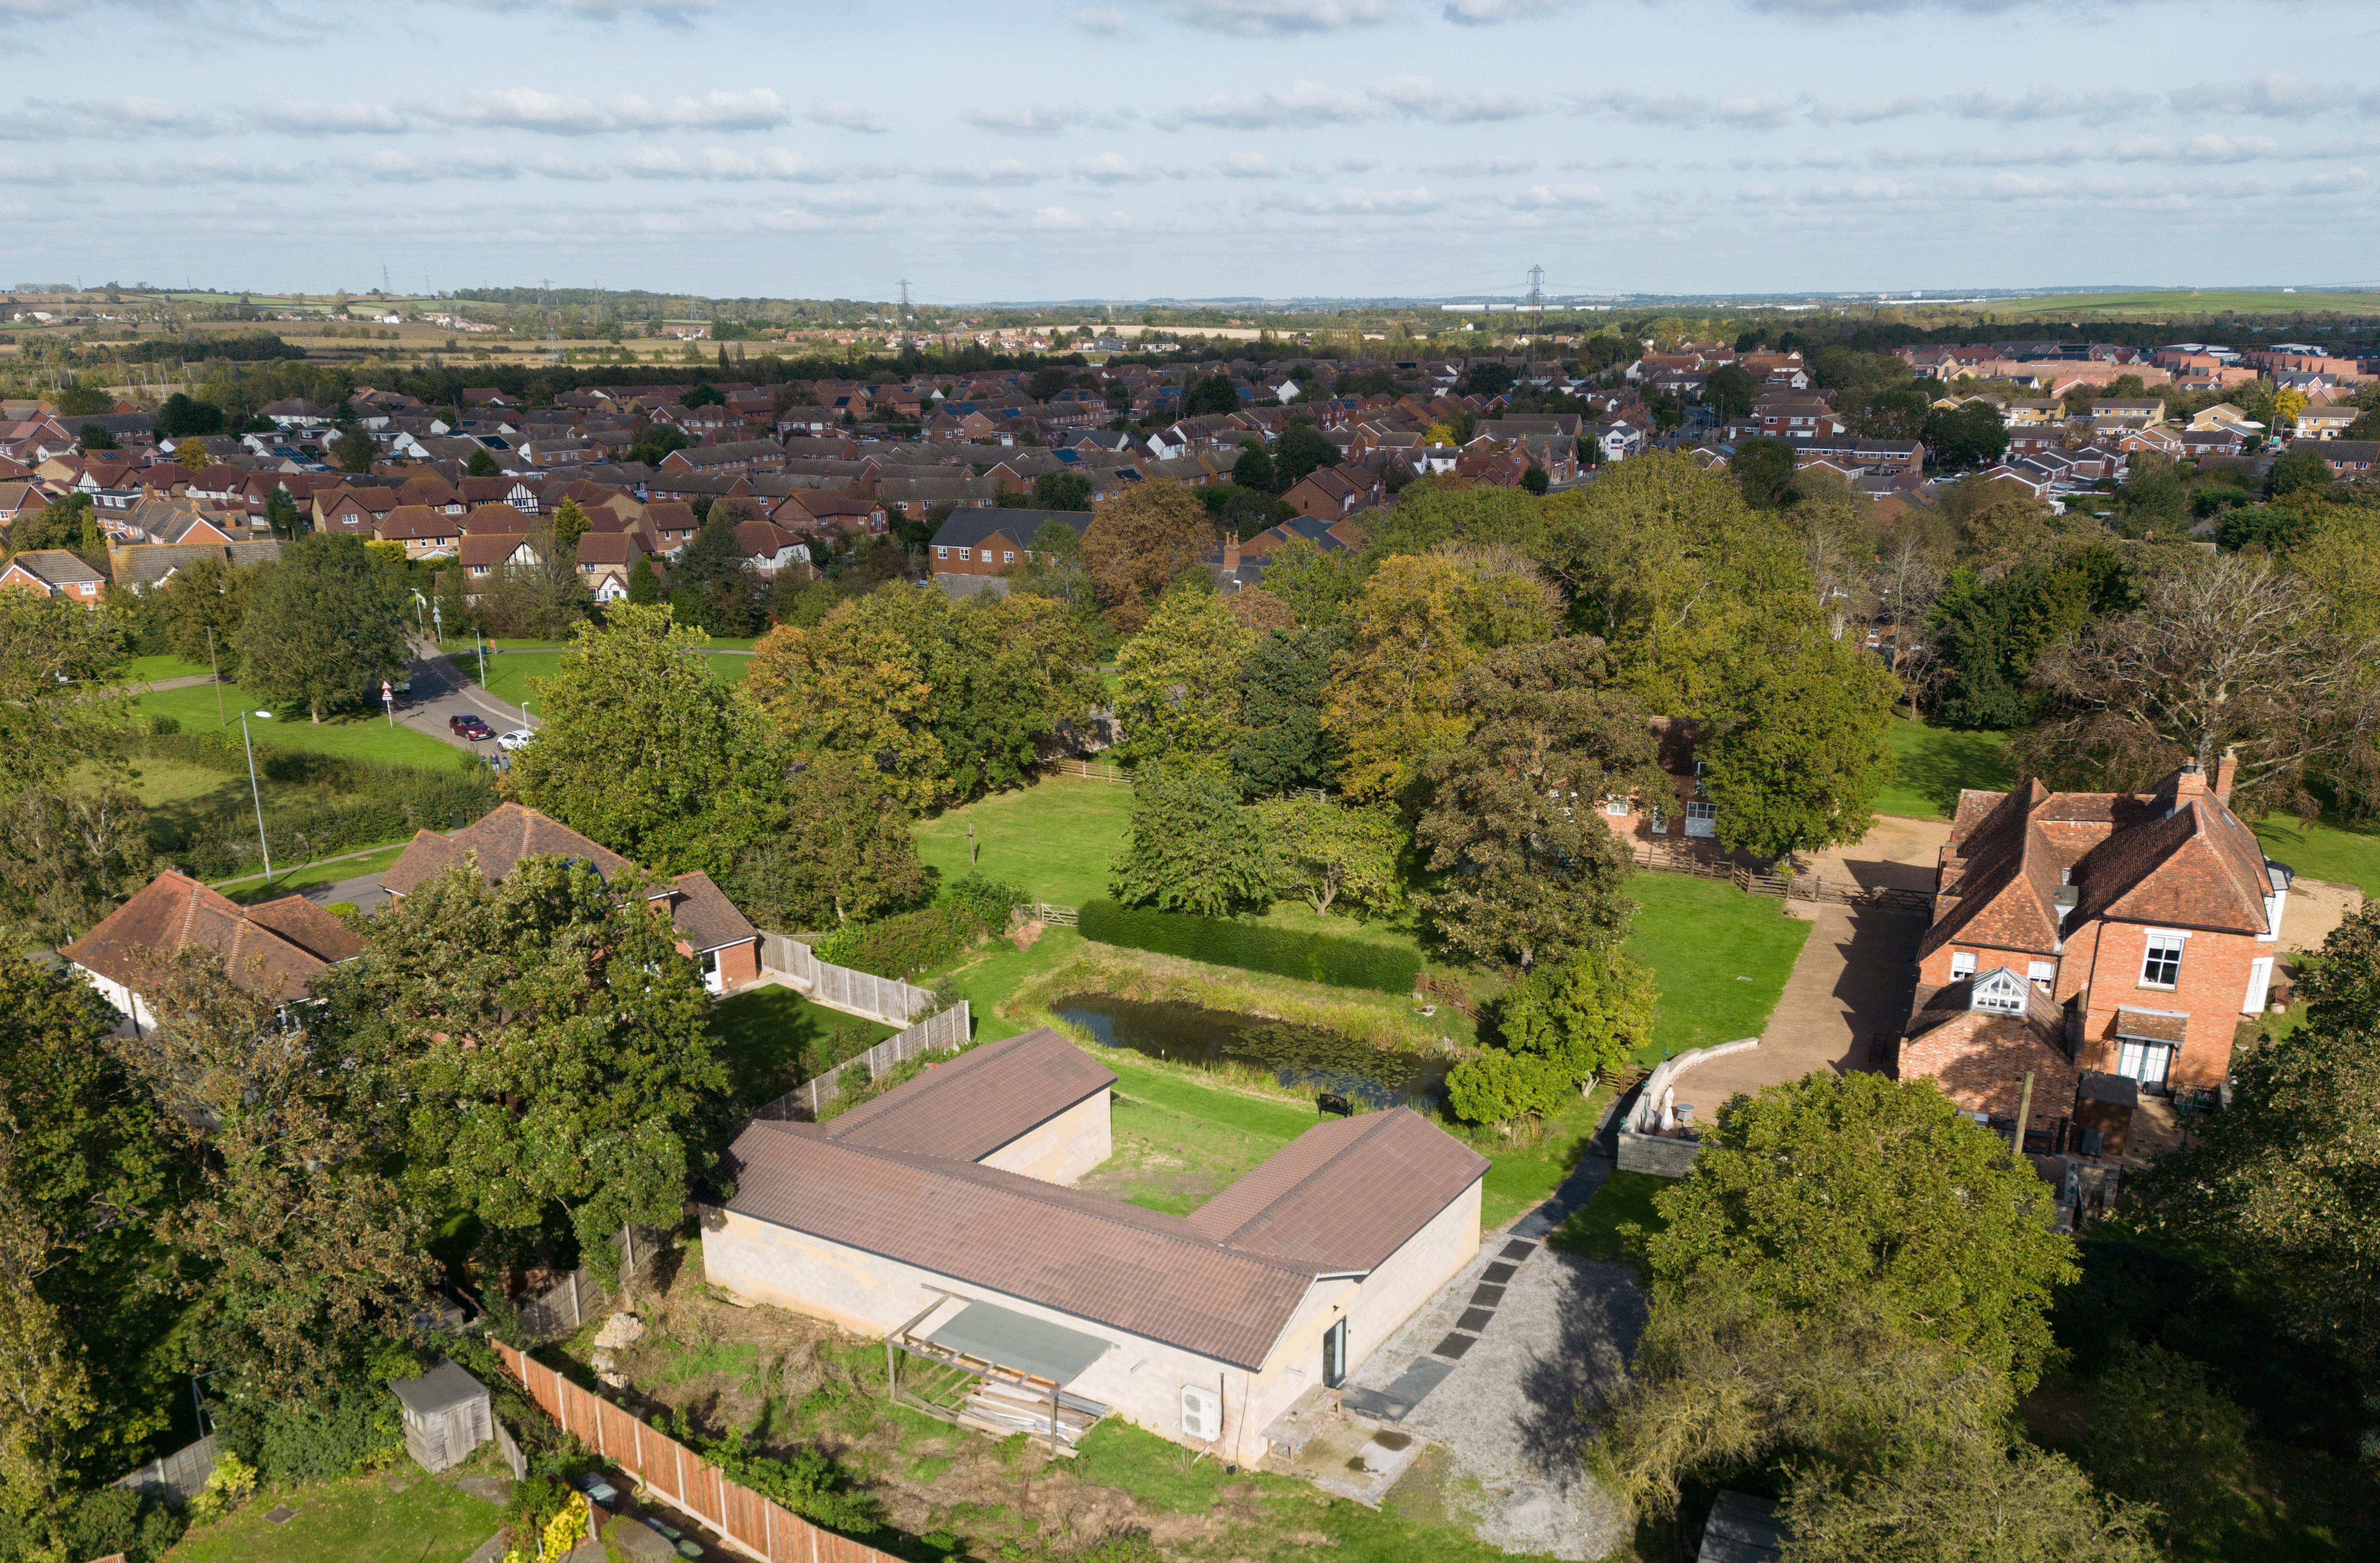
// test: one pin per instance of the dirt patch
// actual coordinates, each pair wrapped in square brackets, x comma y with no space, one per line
[1025,934]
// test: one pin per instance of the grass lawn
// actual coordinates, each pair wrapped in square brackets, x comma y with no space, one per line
[141,670]
[357,737]
[253,888]
[356,1519]
[1593,1229]
[509,675]
[774,1039]
[1935,763]
[2343,855]
[1721,957]
[1054,838]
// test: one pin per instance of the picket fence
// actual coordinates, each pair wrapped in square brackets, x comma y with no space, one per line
[935,1033]
[886,999]
[748,1522]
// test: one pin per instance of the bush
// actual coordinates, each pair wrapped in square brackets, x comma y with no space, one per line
[1223,942]
[987,900]
[92,1524]
[914,941]
[342,1428]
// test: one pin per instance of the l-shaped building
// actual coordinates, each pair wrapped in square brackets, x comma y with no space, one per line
[940,1215]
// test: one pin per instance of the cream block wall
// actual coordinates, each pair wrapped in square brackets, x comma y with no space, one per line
[1062,1149]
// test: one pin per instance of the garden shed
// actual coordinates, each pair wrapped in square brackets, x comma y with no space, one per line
[446,1416]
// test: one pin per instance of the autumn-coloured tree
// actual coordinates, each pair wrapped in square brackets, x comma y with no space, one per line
[1138,542]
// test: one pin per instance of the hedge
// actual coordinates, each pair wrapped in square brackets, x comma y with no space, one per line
[1222,941]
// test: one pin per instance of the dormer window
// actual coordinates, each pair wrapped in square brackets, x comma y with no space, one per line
[1999,991]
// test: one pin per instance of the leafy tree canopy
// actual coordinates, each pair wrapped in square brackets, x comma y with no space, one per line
[1190,847]
[325,624]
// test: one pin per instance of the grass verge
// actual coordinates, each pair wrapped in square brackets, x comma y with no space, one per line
[306,876]
[357,737]
[1720,956]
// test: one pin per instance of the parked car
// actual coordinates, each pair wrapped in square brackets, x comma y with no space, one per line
[469,726]
[516,739]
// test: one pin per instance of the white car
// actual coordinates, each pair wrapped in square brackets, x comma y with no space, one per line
[516,739]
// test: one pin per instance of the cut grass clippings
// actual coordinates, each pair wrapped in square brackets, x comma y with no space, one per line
[1720,958]
[1935,763]
[355,1520]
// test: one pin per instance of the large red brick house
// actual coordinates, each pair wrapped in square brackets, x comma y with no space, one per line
[2082,934]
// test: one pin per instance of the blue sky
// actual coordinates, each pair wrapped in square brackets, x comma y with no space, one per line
[1140,148]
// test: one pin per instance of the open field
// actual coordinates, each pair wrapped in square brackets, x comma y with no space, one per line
[400,1516]
[1053,838]
[2154,304]
[357,737]
[1720,956]
[1936,762]
[143,669]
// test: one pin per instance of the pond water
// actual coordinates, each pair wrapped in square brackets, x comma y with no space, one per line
[1302,1057]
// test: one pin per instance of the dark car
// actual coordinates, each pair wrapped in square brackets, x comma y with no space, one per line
[469,726]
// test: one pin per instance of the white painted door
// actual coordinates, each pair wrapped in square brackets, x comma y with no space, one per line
[1702,818]
[2146,1062]
[2260,984]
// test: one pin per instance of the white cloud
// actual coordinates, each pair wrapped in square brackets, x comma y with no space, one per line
[528,108]
[1359,163]
[1000,171]
[1476,167]
[1300,102]
[1488,13]
[1753,111]
[719,163]
[1108,168]
[1274,18]
[1422,98]
[1034,119]
[2276,97]
[1101,21]
[1055,217]
[1247,165]
[1352,202]
[320,119]
[2104,106]
[1755,193]
[841,115]
[1863,111]
[1551,197]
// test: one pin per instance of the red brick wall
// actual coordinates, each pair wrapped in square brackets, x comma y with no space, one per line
[740,963]
[2213,981]
[1980,1060]
[996,546]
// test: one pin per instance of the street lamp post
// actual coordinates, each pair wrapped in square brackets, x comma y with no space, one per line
[256,795]
[420,609]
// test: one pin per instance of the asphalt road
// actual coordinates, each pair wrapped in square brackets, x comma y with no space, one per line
[439,692]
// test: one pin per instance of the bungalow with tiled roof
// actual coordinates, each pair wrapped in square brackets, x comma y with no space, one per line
[2080,933]
[275,947]
[711,931]
[940,1216]
[54,572]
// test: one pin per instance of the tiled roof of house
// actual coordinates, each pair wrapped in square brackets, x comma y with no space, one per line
[56,566]
[502,838]
[965,529]
[970,1107]
[704,917]
[277,946]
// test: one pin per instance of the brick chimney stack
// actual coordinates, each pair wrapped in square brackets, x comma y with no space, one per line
[2192,782]
[1232,554]
[2226,770]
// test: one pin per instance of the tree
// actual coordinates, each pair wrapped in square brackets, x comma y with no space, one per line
[1139,542]
[1970,435]
[1586,1017]
[710,582]
[1975,1500]
[1764,471]
[702,393]
[281,517]
[644,587]
[354,450]
[657,442]
[294,1240]
[1328,851]
[1303,449]
[1489,378]
[1062,491]
[1284,680]
[1190,847]
[82,401]
[536,1050]
[542,598]
[1178,680]
[2225,653]
[1729,391]
[1045,383]
[1420,623]
[1318,586]
[1797,761]
[1216,394]
[853,858]
[1529,871]
[1987,635]
[2299,472]
[1254,469]
[1535,481]
[1495,1086]
[192,455]
[2279,1183]
[179,416]
[1826,1190]
[325,624]
[643,751]
[482,465]
[570,523]
[2162,1435]
[95,437]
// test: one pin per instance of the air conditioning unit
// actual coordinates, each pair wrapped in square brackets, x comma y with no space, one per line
[1202,1413]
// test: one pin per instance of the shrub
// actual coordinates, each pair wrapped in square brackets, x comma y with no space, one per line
[163,726]
[914,941]
[340,1429]
[987,900]
[227,1486]
[91,1524]
[1497,1086]
[1223,942]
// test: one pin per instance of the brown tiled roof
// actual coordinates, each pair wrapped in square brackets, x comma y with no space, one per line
[2152,1026]
[419,522]
[609,548]
[702,914]
[502,838]
[1344,1195]
[275,947]
[500,518]
[1099,1259]
[1955,999]
[2197,866]
[968,1107]
[489,549]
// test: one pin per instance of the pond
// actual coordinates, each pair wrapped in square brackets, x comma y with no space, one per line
[1302,1057]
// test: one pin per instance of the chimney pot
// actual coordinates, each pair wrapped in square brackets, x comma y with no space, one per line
[2192,782]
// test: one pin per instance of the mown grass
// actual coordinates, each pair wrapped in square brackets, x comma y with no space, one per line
[354,737]
[1935,763]
[2346,854]
[144,670]
[1719,956]
[773,1040]
[305,876]
[356,1520]
[1053,838]
[1592,1231]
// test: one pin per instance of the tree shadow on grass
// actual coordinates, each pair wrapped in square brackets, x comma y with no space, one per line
[1949,761]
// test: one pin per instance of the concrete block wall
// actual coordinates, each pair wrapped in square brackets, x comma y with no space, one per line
[1062,1150]
[1658,1154]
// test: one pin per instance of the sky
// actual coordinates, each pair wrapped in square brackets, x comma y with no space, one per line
[1137,149]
